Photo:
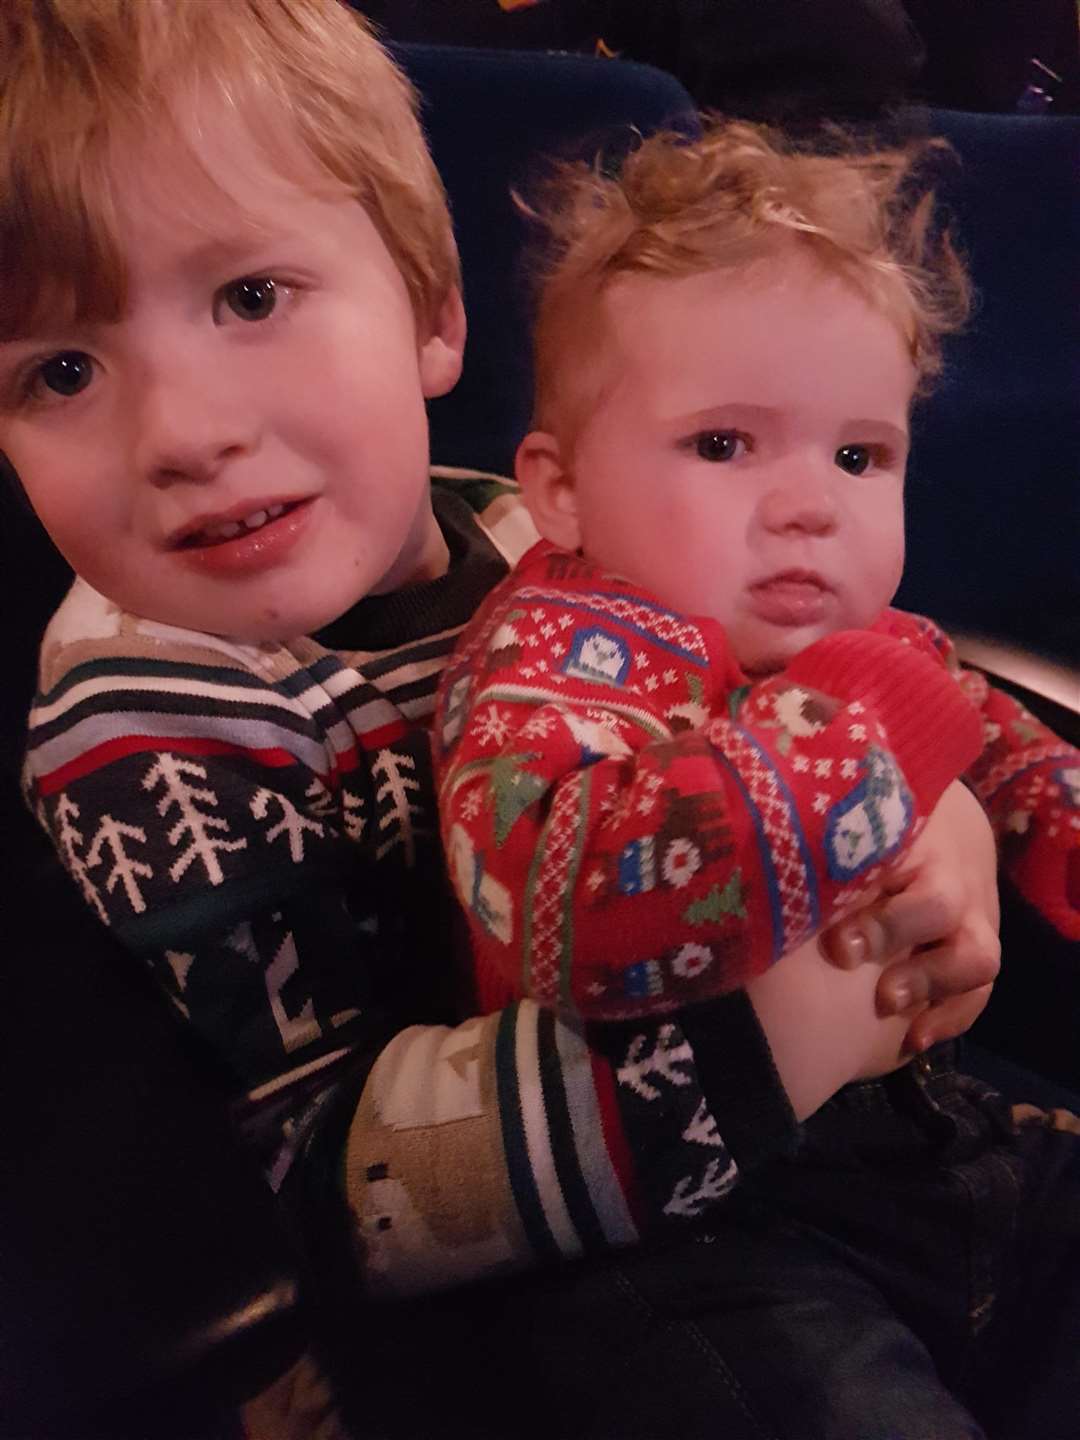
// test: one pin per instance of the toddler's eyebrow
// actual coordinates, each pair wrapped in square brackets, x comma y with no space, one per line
[881,430]
[731,413]
[736,414]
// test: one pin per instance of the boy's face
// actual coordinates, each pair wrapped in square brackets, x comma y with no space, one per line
[746,461]
[245,451]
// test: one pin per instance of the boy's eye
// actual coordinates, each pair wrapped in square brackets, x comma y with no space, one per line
[855,459]
[251,299]
[66,373]
[719,445]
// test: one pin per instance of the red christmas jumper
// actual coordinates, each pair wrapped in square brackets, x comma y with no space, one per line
[632,826]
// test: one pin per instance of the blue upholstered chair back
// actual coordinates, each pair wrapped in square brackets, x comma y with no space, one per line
[994,490]
[994,481]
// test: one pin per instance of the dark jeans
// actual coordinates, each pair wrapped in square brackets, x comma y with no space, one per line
[913,1273]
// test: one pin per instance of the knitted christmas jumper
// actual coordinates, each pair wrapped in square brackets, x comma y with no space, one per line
[632,826]
[257,823]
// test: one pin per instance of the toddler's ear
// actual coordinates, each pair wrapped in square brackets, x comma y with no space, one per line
[548,489]
[441,352]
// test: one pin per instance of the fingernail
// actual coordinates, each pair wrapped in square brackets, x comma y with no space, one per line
[900,997]
[855,945]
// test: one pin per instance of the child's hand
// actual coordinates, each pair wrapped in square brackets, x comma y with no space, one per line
[935,927]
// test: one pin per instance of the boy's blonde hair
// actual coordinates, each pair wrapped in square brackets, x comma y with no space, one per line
[80,78]
[737,195]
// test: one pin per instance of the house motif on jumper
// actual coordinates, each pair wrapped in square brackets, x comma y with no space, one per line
[598,656]
[488,899]
[693,832]
[869,823]
[676,973]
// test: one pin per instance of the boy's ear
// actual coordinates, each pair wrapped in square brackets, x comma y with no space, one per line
[442,351]
[548,488]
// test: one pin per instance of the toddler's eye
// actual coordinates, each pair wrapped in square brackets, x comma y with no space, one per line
[855,459]
[67,373]
[719,445]
[253,298]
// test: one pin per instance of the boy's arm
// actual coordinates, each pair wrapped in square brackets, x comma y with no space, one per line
[1027,779]
[671,863]
[519,1139]
[230,868]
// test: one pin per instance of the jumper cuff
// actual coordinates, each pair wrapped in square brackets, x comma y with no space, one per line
[739,1079]
[931,727]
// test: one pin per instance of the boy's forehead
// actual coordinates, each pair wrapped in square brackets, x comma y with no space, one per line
[214,181]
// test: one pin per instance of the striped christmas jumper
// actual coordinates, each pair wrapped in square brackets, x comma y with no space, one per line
[631,826]
[257,822]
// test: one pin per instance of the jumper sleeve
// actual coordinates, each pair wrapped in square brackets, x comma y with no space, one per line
[518,1138]
[632,828]
[1028,781]
[239,848]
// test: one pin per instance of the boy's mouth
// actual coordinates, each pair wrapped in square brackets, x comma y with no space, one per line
[200,534]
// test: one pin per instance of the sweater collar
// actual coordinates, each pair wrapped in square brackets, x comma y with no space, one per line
[380,622]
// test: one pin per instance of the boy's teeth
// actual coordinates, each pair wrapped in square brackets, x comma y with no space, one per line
[229,529]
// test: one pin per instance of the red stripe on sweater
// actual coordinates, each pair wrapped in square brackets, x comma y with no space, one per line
[104,754]
[615,1139]
[380,738]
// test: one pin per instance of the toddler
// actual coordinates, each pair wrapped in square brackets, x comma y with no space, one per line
[687,731]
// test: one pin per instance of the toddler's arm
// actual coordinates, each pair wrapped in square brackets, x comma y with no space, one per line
[1026,777]
[620,850]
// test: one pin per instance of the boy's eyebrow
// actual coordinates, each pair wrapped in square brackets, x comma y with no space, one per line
[217,252]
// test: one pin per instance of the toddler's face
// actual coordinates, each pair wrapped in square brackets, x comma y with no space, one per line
[245,451]
[747,459]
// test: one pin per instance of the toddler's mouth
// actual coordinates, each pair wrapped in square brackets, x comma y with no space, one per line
[791,598]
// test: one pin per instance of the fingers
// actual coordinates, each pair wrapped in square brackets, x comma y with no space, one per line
[947,1020]
[970,960]
[921,915]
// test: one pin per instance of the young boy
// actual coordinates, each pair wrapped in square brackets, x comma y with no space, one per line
[686,731]
[227,285]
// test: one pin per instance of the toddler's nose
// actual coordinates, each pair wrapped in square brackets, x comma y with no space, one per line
[802,505]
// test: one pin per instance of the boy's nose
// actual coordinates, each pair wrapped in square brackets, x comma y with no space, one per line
[188,429]
[800,506]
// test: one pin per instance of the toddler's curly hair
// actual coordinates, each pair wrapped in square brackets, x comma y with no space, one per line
[738,195]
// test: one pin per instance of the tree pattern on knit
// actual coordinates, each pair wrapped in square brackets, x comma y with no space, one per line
[290,938]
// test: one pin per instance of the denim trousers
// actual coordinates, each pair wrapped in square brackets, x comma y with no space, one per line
[911,1272]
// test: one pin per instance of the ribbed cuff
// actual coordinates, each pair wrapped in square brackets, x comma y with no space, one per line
[931,727]
[740,1082]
